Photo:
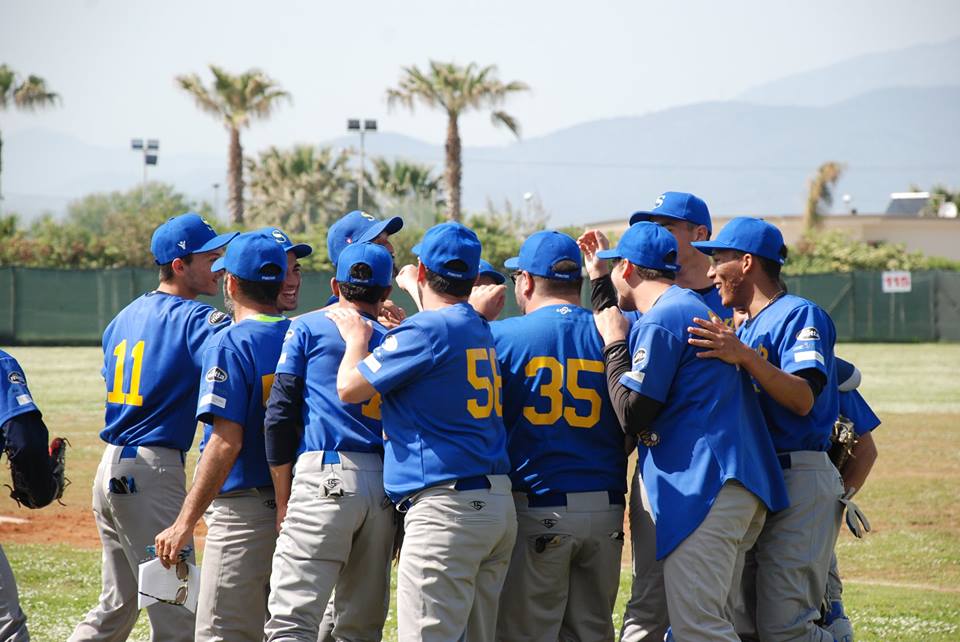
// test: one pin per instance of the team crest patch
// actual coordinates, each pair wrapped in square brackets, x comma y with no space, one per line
[477,504]
[288,335]
[649,438]
[17,378]
[808,334]
[216,375]
[549,523]
[659,201]
[390,343]
[217,317]
[182,245]
[640,356]
[564,310]
[278,236]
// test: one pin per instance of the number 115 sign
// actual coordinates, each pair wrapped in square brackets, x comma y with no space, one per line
[894,282]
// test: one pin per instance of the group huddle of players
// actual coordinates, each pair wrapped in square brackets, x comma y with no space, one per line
[489,457]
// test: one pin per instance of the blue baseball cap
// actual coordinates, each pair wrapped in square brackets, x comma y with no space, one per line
[300,250]
[682,206]
[447,242]
[648,245]
[357,227]
[542,250]
[249,254]
[185,234]
[487,269]
[373,255]
[747,234]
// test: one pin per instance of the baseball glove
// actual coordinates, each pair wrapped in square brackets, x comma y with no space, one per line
[39,479]
[843,440]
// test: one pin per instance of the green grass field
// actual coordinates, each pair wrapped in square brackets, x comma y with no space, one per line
[902,580]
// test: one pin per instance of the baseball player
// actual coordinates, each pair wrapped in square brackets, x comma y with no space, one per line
[489,275]
[152,353]
[37,471]
[567,456]
[708,463]
[446,461]
[786,345]
[686,217]
[338,527]
[290,292]
[232,488]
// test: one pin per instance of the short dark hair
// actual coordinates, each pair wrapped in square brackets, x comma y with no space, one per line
[558,287]
[650,274]
[262,292]
[362,293]
[459,288]
[166,270]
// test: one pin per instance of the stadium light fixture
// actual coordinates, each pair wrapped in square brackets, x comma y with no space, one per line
[369,125]
[150,148]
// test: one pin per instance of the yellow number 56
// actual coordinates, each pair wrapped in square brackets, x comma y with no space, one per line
[489,385]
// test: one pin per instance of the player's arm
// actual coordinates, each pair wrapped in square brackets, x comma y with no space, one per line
[220,454]
[635,411]
[283,426]
[861,461]
[602,293]
[795,392]
[352,386]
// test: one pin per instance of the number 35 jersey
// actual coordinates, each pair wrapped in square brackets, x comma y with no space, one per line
[152,353]
[442,417]
[562,433]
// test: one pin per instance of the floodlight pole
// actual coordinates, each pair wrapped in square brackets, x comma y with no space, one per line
[150,148]
[354,125]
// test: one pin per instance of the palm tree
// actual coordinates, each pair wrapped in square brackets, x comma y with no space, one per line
[28,94]
[456,90]
[820,193]
[402,179]
[236,100]
[299,188]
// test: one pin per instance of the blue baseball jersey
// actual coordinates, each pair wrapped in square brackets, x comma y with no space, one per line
[855,408]
[795,334]
[562,433]
[152,355]
[441,388]
[313,351]
[710,296]
[15,398]
[238,372]
[709,430]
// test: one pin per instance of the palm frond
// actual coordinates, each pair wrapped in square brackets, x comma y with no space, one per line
[506,120]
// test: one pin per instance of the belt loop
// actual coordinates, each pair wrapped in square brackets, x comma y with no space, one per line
[128,452]
[784,459]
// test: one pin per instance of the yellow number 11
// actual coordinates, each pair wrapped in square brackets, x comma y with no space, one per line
[117,395]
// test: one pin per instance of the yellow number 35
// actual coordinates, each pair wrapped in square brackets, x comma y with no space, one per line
[552,390]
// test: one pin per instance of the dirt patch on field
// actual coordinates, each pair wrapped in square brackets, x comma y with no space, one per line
[68,525]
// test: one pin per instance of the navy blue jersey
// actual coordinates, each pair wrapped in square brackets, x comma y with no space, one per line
[710,296]
[152,355]
[795,334]
[855,408]
[15,397]
[709,430]
[562,433]
[442,414]
[313,351]
[238,371]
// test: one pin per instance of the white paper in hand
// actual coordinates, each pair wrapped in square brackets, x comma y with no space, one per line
[155,581]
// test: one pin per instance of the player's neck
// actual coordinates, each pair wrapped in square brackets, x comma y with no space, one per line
[372,310]
[177,289]
[764,292]
[693,272]
[647,292]
[435,301]
[246,309]
[537,302]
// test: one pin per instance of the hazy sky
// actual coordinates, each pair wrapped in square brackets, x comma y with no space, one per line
[114,61]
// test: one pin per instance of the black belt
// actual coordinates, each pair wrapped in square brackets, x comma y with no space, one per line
[784,460]
[472,483]
[548,500]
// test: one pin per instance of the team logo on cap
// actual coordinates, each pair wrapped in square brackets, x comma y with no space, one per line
[659,201]
[640,356]
[278,235]
[390,343]
[216,375]
[182,245]
[549,523]
[477,504]
[217,317]
[808,334]
[369,217]
[16,378]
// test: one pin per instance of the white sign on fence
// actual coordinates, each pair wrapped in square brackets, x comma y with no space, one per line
[896,281]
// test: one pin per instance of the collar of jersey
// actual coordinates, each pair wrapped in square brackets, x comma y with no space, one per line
[267,318]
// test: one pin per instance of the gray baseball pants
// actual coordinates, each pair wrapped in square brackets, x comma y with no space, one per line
[702,574]
[456,551]
[564,572]
[128,523]
[834,583]
[645,616]
[338,533]
[13,623]
[235,574]
[786,572]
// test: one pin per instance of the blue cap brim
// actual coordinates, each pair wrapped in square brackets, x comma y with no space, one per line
[301,250]
[709,247]
[496,276]
[636,217]
[390,226]
[218,265]
[512,263]
[612,253]
[216,242]
[416,249]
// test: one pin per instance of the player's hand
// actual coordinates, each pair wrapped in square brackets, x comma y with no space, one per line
[353,327]
[590,243]
[170,541]
[719,341]
[407,278]
[281,514]
[611,325]
[488,300]
[391,315]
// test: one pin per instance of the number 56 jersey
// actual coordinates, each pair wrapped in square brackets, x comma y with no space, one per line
[152,355]
[562,433]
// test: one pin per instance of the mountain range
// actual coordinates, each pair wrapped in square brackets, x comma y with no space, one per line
[891,118]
